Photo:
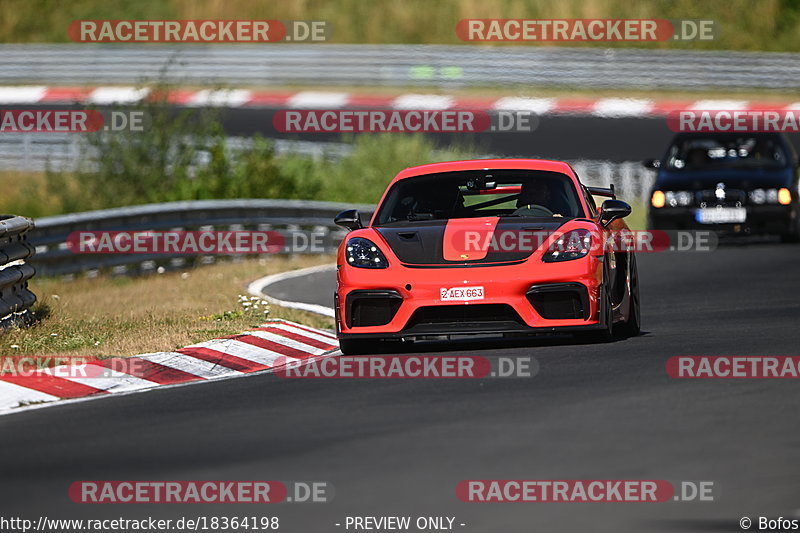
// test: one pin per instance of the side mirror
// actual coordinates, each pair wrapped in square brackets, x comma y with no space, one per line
[654,164]
[611,210]
[349,219]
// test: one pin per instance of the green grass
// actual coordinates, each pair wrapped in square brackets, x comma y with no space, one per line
[637,220]
[743,24]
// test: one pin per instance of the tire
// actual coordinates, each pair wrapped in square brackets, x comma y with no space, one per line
[359,346]
[632,325]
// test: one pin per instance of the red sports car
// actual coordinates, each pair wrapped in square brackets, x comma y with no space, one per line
[505,246]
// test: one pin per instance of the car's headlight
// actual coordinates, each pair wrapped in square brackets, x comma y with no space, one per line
[571,245]
[784,196]
[678,198]
[658,199]
[363,253]
[759,196]
[772,196]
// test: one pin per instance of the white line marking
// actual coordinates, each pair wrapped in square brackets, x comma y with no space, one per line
[622,107]
[321,100]
[117,95]
[259,287]
[423,101]
[24,94]
[540,106]
[220,98]
[719,104]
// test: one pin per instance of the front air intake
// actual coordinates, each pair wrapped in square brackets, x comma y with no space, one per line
[560,301]
[372,308]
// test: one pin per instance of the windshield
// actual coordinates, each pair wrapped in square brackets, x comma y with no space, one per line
[484,193]
[713,152]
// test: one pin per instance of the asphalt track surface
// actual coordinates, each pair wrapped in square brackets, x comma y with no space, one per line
[570,137]
[589,137]
[594,411]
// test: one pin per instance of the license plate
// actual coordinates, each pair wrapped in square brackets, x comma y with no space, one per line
[721,215]
[462,294]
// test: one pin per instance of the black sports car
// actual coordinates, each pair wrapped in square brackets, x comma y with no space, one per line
[733,183]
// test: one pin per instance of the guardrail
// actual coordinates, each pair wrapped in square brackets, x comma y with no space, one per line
[295,219]
[37,152]
[632,180]
[398,65]
[15,298]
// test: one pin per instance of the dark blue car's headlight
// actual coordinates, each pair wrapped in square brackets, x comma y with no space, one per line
[770,196]
[679,198]
[363,253]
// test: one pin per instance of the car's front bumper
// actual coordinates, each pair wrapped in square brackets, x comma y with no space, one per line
[760,220]
[408,299]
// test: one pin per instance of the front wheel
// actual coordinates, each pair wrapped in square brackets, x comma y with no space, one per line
[632,325]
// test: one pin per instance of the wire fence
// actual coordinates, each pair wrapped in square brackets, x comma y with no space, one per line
[37,152]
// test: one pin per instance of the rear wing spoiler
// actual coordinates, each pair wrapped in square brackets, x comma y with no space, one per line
[603,191]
